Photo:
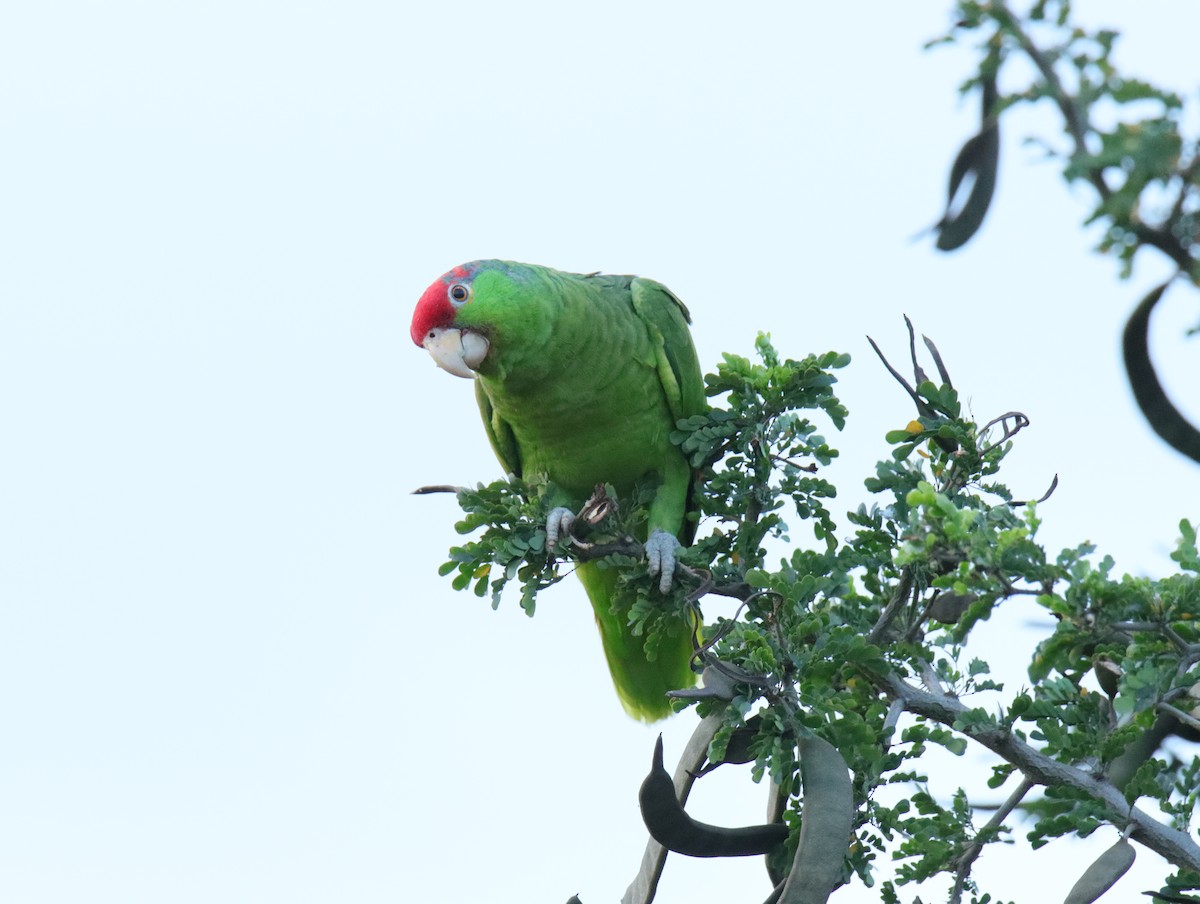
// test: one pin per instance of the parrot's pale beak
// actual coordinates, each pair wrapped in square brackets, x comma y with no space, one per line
[458,351]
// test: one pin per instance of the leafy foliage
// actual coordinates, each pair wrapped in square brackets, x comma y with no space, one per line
[1125,137]
[862,637]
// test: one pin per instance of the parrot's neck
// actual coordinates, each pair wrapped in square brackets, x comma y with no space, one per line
[528,355]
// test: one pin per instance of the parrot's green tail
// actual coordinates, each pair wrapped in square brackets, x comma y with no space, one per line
[641,681]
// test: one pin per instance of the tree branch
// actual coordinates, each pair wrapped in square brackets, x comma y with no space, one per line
[899,596]
[1076,121]
[1078,127]
[972,852]
[1177,847]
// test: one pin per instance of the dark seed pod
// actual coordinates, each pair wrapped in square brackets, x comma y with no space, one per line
[1168,421]
[948,607]
[1108,675]
[979,158]
[675,830]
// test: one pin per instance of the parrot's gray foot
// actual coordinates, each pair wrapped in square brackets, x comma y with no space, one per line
[660,557]
[558,526]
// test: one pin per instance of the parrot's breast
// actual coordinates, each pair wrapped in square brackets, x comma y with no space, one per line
[613,433]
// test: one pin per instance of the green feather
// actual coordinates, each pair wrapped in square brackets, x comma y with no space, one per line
[583,382]
[641,682]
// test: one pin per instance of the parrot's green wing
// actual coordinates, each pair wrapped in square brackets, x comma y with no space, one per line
[667,320]
[499,434]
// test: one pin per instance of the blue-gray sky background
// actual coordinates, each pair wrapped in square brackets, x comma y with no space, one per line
[228,669]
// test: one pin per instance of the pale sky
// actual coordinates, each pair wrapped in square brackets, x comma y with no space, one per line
[228,668]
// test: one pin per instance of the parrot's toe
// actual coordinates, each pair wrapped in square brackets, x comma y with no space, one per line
[660,557]
[558,526]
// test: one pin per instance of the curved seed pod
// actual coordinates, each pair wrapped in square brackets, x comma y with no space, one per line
[1103,874]
[1108,675]
[828,823]
[738,749]
[948,607]
[645,884]
[979,157]
[1166,420]
[675,830]
[1121,770]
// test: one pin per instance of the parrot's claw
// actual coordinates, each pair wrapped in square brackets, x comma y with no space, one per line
[558,526]
[660,557]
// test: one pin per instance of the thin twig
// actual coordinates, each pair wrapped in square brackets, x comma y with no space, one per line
[899,596]
[932,682]
[1186,718]
[1079,127]
[895,711]
[1077,124]
[1019,422]
[811,468]
[1046,495]
[937,359]
[698,650]
[973,850]
[1187,175]
[1159,628]
[918,373]
[896,374]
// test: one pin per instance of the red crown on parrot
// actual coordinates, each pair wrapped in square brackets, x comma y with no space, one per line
[434,308]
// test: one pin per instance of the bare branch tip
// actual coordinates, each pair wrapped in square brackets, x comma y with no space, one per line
[437,488]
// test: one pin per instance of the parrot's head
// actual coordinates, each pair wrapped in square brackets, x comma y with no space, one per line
[456,345]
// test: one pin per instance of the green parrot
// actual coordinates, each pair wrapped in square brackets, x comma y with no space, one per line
[581,379]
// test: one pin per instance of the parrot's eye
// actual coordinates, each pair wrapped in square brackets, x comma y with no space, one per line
[459,294]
